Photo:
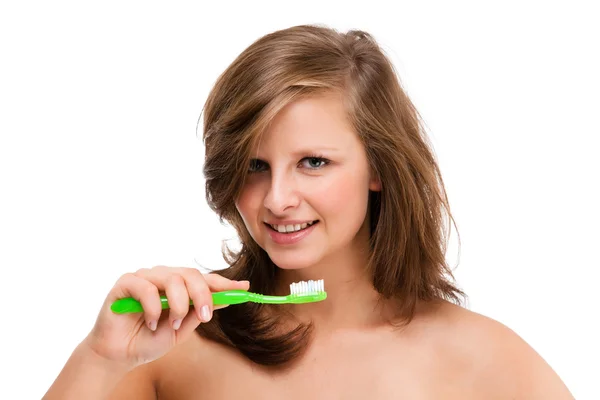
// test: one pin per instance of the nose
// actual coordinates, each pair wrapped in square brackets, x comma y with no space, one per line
[282,194]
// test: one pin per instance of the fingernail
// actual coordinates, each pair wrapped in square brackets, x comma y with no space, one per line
[152,325]
[176,324]
[205,312]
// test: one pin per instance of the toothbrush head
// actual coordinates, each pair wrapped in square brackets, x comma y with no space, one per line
[307,292]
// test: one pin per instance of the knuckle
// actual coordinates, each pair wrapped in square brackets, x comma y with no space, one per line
[175,280]
[141,272]
[200,293]
[195,280]
[126,277]
[151,290]
[192,271]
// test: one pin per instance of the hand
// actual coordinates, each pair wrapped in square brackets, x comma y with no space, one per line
[134,339]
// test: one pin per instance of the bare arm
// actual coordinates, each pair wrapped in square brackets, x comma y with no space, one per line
[537,379]
[86,375]
[137,384]
[513,369]
[112,360]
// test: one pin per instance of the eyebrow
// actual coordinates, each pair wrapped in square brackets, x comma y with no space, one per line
[311,150]
[314,150]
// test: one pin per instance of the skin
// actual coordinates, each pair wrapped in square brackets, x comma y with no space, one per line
[445,352]
[289,185]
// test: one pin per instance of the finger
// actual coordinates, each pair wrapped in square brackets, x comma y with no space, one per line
[199,292]
[218,283]
[189,324]
[158,275]
[178,298]
[169,280]
[130,285]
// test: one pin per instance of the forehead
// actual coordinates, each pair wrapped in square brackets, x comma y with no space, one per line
[317,120]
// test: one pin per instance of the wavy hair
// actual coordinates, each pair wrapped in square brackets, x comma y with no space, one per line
[408,233]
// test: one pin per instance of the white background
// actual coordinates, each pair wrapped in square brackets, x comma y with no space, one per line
[101,168]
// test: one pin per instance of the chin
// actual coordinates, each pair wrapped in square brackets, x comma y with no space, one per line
[292,260]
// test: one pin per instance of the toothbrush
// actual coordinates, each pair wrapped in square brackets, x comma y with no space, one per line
[300,292]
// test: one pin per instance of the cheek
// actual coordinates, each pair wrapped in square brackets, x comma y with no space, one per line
[248,205]
[343,200]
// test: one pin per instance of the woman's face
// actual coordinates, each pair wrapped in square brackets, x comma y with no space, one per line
[309,166]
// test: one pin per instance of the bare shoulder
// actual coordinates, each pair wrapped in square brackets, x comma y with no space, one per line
[195,367]
[502,362]
[137,384]
[172,376]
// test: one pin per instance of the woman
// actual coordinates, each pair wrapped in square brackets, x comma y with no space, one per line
[309,130]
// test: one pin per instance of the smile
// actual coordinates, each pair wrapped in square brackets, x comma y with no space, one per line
[291,228]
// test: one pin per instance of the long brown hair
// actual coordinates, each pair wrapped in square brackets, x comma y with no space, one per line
[408,234]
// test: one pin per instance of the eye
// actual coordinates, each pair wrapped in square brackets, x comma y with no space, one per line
[257,165]
[315,162]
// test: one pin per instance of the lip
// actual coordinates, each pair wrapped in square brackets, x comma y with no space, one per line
[290,222]
[289,238]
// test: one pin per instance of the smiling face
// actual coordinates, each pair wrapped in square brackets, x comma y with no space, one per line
[309,166]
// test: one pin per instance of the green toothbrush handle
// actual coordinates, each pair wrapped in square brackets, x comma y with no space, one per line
[131,305]
[231,297]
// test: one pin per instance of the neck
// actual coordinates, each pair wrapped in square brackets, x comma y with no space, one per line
[351,302]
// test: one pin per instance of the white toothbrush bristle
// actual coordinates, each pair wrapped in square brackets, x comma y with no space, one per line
[306,287]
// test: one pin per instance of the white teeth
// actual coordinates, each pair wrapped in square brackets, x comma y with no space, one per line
[291,228]
[304,287]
